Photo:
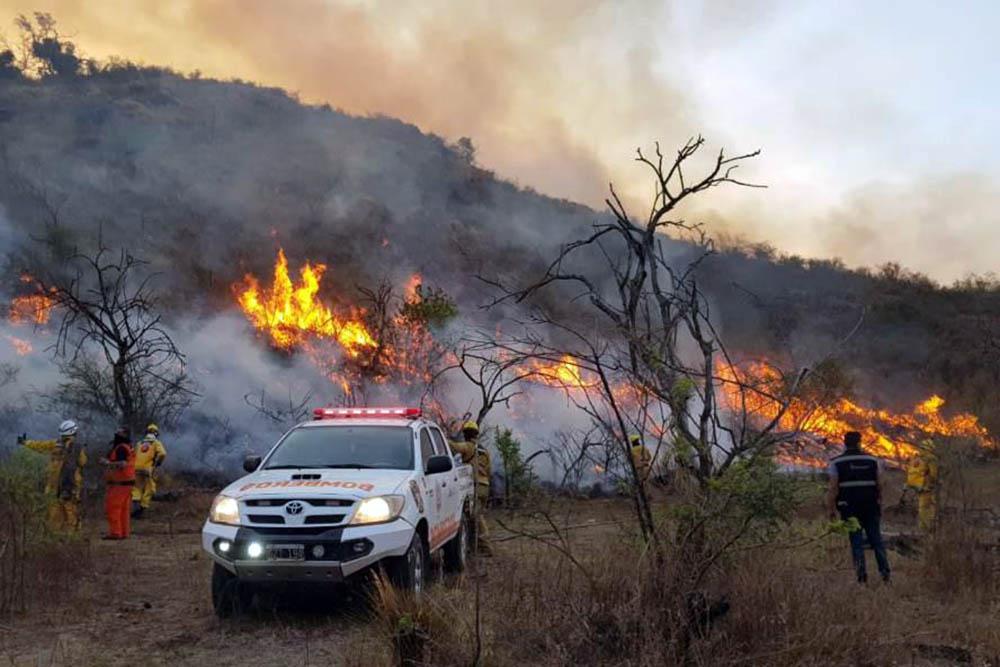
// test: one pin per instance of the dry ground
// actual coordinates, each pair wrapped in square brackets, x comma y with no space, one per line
[146,601]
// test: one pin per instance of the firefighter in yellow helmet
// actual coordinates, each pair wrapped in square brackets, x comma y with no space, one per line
[149,455]
[472,452]
[922,476]
[64,476]
[641,458]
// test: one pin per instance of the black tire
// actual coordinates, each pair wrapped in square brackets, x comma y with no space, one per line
[230,596]
[409,571]
[456,551]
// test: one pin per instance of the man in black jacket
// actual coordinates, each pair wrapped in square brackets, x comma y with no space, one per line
[856,491]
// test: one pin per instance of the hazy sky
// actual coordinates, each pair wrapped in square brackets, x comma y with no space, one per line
[874,118]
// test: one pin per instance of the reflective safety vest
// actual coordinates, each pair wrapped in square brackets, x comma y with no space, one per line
[121,476]
[857,481]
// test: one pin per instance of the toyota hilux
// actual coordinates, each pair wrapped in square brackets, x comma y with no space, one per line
[353,490]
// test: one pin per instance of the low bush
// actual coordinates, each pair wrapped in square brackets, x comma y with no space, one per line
[35,564]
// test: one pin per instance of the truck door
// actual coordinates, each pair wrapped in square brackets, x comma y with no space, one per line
[433,490]
[451,508]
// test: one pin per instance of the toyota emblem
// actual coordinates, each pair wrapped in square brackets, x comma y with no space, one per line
[294,507]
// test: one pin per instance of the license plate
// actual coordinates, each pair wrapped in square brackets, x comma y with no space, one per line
[286,552]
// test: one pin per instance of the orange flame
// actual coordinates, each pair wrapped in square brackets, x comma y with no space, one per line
[289,313]
[884,433]
[31,308]
[566,373]
[413,284]
[22,347]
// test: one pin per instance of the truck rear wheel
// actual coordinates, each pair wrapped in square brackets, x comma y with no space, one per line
[456,551]
[230,596]
[409,571]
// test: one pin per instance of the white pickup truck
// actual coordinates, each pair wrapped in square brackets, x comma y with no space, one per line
[353,489]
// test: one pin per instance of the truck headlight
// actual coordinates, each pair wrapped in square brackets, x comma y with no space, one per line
[378,509]
[225,510]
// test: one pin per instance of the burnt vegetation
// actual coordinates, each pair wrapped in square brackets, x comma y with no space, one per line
[106,162]
[155,160]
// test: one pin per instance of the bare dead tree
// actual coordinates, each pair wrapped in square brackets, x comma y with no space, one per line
[496,375]
[284,413]
[118,358]
[648,342]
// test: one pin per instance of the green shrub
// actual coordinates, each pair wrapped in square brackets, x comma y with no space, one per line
[518,478]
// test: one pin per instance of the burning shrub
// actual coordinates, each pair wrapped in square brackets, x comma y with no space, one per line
[428,307]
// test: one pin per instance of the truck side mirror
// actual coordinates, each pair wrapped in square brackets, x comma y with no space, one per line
[251,462]
[439,464]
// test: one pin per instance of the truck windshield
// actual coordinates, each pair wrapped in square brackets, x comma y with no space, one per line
[345,447]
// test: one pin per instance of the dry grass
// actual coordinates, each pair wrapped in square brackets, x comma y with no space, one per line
[789,606]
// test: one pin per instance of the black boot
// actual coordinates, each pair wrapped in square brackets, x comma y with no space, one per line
[136,509]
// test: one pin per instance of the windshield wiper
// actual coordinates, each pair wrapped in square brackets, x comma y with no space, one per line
[347,465]
[291,467]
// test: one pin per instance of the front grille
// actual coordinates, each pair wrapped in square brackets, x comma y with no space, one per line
[266,518]
[324,518]
[285,531]
[315,502]
[268,502]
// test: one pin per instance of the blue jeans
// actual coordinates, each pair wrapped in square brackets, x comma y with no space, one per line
[871,528]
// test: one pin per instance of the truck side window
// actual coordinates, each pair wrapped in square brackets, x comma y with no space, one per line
[426,447]
[439,447]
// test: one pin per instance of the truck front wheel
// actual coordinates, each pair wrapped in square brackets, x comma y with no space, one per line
[456,551]
[409,571]
[230,596]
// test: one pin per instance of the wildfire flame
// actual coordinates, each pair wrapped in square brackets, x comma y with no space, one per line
[291,312]
[565,374]
[892,435]
[30,308]
[22,347]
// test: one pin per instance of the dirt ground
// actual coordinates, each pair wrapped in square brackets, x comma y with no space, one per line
[146,601]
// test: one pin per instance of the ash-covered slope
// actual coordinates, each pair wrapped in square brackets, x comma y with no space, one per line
[205,179]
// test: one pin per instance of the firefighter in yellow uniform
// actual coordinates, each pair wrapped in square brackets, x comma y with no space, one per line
[641,459]
[479,457]
[922,476]
[149,455]
[64,476]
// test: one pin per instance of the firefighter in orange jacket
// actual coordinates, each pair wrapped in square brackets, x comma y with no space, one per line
[120,478]
[64,476]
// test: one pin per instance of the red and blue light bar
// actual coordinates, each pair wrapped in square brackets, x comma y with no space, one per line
[348,413]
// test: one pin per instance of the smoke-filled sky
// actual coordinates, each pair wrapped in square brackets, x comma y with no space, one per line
[874,118]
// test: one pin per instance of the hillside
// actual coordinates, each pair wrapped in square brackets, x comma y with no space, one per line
[207,179]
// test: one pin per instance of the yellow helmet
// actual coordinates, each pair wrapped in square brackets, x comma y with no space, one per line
[153,428]
[635,438]
[470,426]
